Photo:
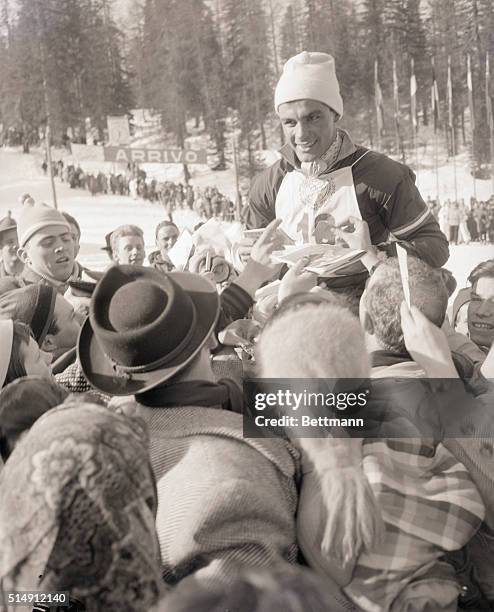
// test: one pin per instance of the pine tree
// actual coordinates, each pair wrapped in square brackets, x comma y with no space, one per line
[68,65]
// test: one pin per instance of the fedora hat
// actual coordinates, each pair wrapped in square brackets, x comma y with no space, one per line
[7,224]
[144,326]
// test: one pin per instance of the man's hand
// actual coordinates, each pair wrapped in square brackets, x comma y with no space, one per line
[296,281]
[487,368]
[426,343]
[259,268]
[359,240]
[244,249]
[246,246]
[269,241]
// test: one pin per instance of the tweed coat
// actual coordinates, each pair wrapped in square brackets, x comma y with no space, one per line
[222,499]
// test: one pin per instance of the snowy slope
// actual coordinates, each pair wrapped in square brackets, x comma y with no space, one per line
[100,214]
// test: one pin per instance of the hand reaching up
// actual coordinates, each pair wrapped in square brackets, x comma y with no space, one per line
[426,343]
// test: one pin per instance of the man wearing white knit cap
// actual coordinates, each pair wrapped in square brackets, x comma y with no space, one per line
[322,179]
[46,248]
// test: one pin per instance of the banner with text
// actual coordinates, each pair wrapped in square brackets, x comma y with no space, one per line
[155,156]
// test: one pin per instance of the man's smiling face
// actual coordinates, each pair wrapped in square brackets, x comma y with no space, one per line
[481,312]
[309,127]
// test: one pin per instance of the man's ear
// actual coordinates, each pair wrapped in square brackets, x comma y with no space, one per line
[367,323]
[23,255]
[48,345]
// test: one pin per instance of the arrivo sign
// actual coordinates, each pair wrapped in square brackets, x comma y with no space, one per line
[155,156]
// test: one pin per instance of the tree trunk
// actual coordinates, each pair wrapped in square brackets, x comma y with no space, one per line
[264,143]
[249,154]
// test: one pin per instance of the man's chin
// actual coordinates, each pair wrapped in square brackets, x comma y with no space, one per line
[63,272]
[306,157]
[480,338]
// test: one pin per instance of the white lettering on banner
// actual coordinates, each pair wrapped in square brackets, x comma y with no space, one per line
[191,157]
[155,156]
[120,156]
[137,155]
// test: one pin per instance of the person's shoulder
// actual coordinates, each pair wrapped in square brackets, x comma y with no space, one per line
[379,170]
[223,430]
[9,283]
[269,178]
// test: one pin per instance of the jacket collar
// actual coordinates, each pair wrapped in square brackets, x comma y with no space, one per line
[388,358]
[347,149]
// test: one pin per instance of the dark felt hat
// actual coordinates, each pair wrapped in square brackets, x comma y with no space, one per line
[144,326]
[7,224]
[107,247]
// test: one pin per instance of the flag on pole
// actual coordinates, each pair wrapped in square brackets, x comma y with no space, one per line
[488,99]
[396,98]
[434,98]
[413,98]
[450,95]
[470,94]
[378,97]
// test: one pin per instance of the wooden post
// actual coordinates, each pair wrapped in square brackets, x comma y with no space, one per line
[50,167]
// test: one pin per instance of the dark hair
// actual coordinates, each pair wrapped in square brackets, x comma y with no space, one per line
[70,219]
[22,402]
[298,300]
[54,327]
[16,368]
[162,224]
[449,280]
[483,269]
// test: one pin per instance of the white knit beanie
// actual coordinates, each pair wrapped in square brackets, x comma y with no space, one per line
[35,218]
[309,76]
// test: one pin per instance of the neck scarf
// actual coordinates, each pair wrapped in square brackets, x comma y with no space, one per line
[224,394]
[316,186]
[323,165]
[77,511]
[61,286]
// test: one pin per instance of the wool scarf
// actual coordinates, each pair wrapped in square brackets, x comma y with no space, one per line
[224,394]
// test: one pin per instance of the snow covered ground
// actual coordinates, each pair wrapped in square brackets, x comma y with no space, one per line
[100,214]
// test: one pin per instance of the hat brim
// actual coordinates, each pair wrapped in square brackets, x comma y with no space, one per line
[8,229]
[98,369]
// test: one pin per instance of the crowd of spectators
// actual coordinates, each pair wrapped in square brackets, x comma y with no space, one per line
[462,223]
[207,202]
[129,481]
